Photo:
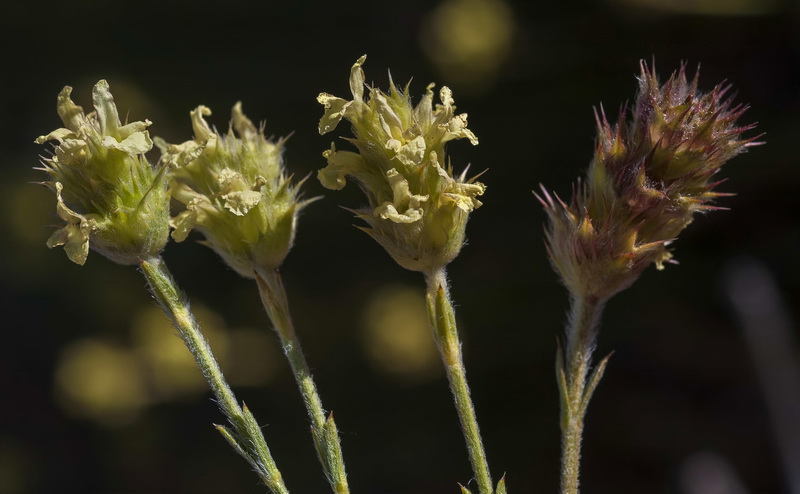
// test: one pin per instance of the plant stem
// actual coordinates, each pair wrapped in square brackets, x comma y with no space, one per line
[247,438]
[445,333]
[575,388]
[326,436]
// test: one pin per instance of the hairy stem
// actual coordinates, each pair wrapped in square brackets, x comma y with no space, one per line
[445,333]
[326,436]
[576,386]
[246,437]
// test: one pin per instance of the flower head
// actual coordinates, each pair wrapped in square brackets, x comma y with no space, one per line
[110,197]
[418,209]
[648,178]
[235,191]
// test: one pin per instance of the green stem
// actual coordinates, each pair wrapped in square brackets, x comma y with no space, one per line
[445,333]
[326,435]
[247,438]
[576,386]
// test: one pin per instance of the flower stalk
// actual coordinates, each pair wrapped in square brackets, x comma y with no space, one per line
[445,335]
[244,433]
[575,384]
[324,431]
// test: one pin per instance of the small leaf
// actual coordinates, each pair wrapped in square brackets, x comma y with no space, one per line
[561,379]
[231,440]
[254,433]
[334,454]
[593,381]
[257,466]
[464,490]
[501,486]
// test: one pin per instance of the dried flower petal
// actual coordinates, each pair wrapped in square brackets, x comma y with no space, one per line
[74,236]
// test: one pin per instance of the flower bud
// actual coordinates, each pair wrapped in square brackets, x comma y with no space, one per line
[108,194]
[235,191]
[417,209]
[648,178]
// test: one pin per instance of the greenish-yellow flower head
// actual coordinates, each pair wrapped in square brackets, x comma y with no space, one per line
[235,191]
[418,209]
[649,176]
[110,197]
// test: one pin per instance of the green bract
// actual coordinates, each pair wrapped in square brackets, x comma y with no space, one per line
[110,196]
[235,191]
[418,209]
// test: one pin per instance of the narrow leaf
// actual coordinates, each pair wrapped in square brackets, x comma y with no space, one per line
[334,460]
[561,379]
[501,486]
[254,433]
[231,440]
[593,381]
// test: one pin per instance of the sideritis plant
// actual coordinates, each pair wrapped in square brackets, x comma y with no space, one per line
[650,175]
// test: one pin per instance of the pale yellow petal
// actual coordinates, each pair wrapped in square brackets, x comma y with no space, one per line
[74,236]
[184,194]
[199,125]
[241,201]
[446,95]
[241,124]
[357,79]
[424,109]
[137,143]
[71,114]
[405,207]
[393,145]
[179,155]
[334,111]
[133,128]
[457,129]
[107,114]
[72,151]
[388,116]
[57,135]
[182,224]
[230,180]
[388,211]
[412,153]
[340,164]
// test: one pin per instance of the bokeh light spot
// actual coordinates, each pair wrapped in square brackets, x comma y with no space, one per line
[100,381]
[469,40]
[396,334]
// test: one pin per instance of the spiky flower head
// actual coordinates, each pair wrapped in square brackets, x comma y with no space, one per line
[648,178]
[418,209]
[235,191]
[108,194]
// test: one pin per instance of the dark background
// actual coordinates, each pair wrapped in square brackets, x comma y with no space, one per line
[681,394]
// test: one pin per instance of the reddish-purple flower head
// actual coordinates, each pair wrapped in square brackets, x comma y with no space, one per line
[649,175]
